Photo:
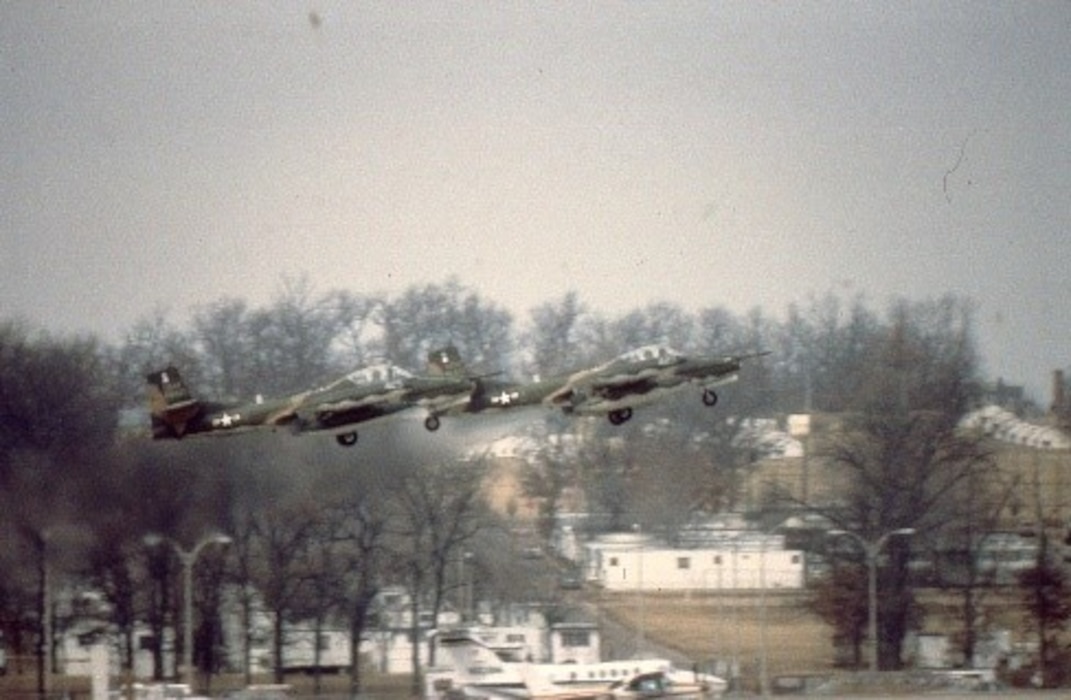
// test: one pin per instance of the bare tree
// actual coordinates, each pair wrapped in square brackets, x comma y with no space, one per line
[116,558]
[283,532]
[901,453]
[365,527]
[660,323]
[439,508]
[324,577]
[57,414]
[552,337]
[221,335]
[356,333]
[292,339]
[427,317]
[152,343]
[546,478]
[840,599]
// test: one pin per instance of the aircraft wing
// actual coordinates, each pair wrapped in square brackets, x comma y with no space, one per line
[573,387]
[626,383]
[332,414]
[586,389]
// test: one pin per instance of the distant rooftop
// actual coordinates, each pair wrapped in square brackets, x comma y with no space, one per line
[1001,424]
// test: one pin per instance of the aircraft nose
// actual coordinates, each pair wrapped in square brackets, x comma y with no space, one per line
[720,365]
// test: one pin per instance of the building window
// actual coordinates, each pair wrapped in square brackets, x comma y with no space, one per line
[795,559]
[717,560]
[613,561]
[575,638]
[684,562]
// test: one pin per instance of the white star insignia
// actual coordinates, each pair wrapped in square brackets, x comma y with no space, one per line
[226,420]
[505,397]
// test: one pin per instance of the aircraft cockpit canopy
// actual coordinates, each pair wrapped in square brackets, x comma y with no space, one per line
[664,354]
[379,374]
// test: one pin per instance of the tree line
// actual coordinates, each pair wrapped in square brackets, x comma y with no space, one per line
[316,532]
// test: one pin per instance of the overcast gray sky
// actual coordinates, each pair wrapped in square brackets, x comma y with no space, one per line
[714,153]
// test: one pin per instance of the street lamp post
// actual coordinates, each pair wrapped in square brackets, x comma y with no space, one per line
[188,559]
[641,636]
[872,550]
[764,673]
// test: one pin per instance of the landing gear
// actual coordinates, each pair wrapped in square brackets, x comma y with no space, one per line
[347,439]
[432,422]
[709,397]
[619,416]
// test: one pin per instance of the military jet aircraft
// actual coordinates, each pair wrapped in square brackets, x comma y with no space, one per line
[489,394]
[635,378]
[643,376]
[363,395]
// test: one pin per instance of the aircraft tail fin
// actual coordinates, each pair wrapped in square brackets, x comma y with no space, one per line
[171,405]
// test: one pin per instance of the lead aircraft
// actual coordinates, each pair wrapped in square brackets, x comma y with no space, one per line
[643,376]
[360,396]
[635,378]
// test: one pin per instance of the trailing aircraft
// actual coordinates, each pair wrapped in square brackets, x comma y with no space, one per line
[360,396]
[643,376]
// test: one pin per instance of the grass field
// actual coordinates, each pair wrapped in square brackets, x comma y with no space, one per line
[706,627]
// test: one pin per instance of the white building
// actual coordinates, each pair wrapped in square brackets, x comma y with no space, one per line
[389,646]
[575,643]
[635,562]
[74,649]
[300,640]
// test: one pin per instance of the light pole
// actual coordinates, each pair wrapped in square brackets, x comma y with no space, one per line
[188,559]
[872,550]
[641,636]
[764,674]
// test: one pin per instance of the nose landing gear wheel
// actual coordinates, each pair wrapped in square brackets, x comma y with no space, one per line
[432,423]
[347,439]
[620,415]
[709,397]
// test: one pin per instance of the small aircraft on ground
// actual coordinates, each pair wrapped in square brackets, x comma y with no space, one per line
[360,396]
[468,667]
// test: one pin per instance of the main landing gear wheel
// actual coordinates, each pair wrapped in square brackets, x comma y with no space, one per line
[347,439]
[709,397]
[432,423]
[619,416]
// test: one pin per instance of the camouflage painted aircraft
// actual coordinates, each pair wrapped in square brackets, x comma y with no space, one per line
[643,376]
[490,395]
[363,395]
[635,378]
